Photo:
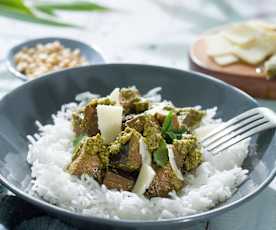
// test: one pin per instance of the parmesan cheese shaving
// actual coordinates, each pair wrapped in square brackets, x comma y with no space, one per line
[115,96]
[226,59]
[262,25]
[252,42]
[240,34]
[173,164]
[109,121]
[218,45]
[256,53]
[270,67]
[144,179]
[146,173]
[146,156]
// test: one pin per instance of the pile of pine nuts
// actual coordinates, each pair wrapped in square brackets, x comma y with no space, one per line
[44,58]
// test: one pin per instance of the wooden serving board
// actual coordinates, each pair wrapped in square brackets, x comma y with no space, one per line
[241,75]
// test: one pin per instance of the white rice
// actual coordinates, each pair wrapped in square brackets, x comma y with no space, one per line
[50,151]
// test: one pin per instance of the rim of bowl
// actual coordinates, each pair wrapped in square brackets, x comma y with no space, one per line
[133,223]
[10,55]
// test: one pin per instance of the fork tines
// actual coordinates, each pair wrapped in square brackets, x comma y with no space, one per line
[239,128]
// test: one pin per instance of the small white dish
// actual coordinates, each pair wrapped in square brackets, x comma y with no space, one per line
[91,54]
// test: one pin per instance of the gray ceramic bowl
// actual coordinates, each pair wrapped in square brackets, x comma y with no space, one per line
[38,99]
[92,55]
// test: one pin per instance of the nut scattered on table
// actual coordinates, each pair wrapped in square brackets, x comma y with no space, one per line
[44,58]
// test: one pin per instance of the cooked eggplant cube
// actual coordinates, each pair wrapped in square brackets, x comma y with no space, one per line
[191,117]
[86,159]
[86,120]
[87,164]
[160,117]
[141,106]
[131,101]
[128,96]
[152,133]
[164,182]
[116,181]
[77,122]
[136,123]
[129,159]
[187,154]
[91,120]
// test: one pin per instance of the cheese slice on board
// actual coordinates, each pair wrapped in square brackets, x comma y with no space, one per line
[257,52]
[218,45]
[263,25]
[226,59]
[270,67]
[241,34]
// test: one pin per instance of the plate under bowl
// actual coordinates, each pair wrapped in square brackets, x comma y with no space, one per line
[38,99]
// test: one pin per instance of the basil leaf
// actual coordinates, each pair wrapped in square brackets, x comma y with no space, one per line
[168,132]
[167,124]
[181,130]
[78,139]
[160,155]
[171,135]
[178,132]
[76,144]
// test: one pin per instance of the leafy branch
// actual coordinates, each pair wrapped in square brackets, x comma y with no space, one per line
[45,13]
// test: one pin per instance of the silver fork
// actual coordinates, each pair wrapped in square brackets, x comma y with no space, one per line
[239,128]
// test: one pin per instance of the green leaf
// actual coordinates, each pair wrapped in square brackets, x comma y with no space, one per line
[17,14]
[45,10]
[168,132]
[17,9]
[17,5]
[76,144]
[160,155]
[167,124]
[70,6]
[171,135]
[78,139]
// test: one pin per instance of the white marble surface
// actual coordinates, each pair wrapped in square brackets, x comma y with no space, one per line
[154,32]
